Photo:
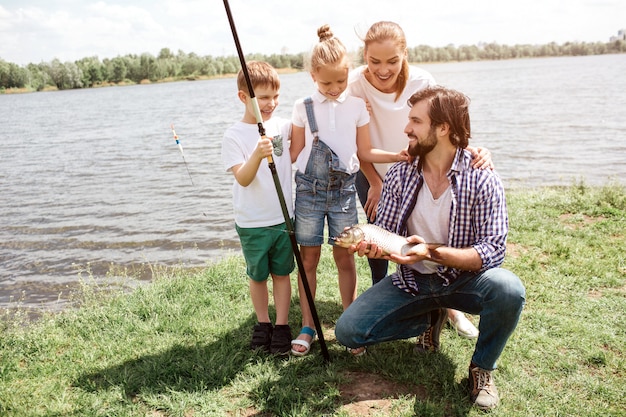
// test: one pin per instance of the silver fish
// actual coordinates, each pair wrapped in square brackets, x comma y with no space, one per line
[389,242]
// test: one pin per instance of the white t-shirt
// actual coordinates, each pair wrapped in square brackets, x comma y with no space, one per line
[430,219]
[389,116]
[337,122]
[257,205]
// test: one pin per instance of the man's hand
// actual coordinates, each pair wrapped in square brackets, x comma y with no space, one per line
[373,251]
[413,257]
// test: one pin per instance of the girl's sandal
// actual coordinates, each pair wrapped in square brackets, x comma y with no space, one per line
[307,346]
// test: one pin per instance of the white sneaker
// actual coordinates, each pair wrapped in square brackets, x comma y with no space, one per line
[463,326]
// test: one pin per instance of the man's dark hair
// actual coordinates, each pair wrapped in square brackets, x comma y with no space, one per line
[447,106]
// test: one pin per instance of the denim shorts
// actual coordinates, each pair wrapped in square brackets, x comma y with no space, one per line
[317,201]
[266,250]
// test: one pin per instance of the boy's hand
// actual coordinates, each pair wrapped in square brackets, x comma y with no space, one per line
[263,148]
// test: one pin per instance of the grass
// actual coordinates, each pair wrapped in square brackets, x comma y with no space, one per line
[178,347]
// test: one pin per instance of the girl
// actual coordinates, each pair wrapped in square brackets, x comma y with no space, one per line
[330,133]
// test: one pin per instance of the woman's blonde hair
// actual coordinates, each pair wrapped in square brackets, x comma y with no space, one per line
[391,31]
[328,51]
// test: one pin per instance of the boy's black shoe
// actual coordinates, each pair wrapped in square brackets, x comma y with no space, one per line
[281,340]
[261,336]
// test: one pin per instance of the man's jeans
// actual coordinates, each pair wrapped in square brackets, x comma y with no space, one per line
[385,312]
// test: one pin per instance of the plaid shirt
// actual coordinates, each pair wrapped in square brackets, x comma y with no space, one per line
[478,215]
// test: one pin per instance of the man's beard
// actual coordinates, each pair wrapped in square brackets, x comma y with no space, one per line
[421,149]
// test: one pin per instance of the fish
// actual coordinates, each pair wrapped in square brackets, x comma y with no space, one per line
[389,242]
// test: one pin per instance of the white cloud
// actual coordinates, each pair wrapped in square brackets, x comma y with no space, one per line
[38,30]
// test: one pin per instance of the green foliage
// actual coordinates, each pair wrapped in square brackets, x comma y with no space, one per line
[495,51]
[12,76]
[90,71]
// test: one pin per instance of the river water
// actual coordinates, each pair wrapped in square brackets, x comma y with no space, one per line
[93,185]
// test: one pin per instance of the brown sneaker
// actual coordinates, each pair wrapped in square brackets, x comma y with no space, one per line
[429,340]
[483,391]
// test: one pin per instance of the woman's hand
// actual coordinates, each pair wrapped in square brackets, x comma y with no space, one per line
[481,158]
[371,205]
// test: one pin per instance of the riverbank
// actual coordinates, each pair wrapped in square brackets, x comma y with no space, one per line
[142,82]
[178,347]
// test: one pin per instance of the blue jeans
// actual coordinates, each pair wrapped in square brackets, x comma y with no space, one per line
[378,267]
[384,312]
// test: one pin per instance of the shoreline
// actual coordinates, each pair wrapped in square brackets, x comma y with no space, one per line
[125,83]
[66,295]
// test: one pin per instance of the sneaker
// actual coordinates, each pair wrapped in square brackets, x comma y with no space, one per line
[463,326]
[281,340]
[261,336]
[429,340]
[483,391]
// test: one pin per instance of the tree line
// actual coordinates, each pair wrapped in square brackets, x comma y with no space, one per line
[91,71]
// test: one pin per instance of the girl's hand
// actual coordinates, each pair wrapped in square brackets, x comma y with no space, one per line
[402,156]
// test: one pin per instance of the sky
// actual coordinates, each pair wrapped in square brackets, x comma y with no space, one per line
[34,31]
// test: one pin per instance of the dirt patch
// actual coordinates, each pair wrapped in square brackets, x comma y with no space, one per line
[595,294]
[575,222]
[363,394]
[366,394]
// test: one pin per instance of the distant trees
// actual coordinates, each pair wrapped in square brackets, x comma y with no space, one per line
[167,65]
[495,51]
[12,76]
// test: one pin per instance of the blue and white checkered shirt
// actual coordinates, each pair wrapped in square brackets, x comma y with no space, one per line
[478,214]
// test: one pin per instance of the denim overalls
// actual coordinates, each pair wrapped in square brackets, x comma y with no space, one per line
[324,190]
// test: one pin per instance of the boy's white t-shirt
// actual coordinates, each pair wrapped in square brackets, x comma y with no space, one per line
[389,116]
[337,122]
[257,205]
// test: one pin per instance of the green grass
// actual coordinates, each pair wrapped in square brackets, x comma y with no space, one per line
[178,347]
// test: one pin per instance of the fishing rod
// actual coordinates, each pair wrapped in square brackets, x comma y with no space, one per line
[279,190]
[180,146]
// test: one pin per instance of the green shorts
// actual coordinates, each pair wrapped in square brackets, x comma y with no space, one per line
[266,250]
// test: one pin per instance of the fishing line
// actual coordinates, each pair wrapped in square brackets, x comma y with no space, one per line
[180,146]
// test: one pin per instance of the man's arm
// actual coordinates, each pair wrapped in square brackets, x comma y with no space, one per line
[465,259]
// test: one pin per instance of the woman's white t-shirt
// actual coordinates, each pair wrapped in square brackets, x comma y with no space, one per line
[388,116]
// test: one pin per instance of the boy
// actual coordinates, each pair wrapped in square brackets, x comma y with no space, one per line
[259,219]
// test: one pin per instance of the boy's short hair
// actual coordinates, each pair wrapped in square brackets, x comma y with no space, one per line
[261,74]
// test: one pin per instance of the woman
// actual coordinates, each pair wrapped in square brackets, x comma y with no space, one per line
[386,82]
